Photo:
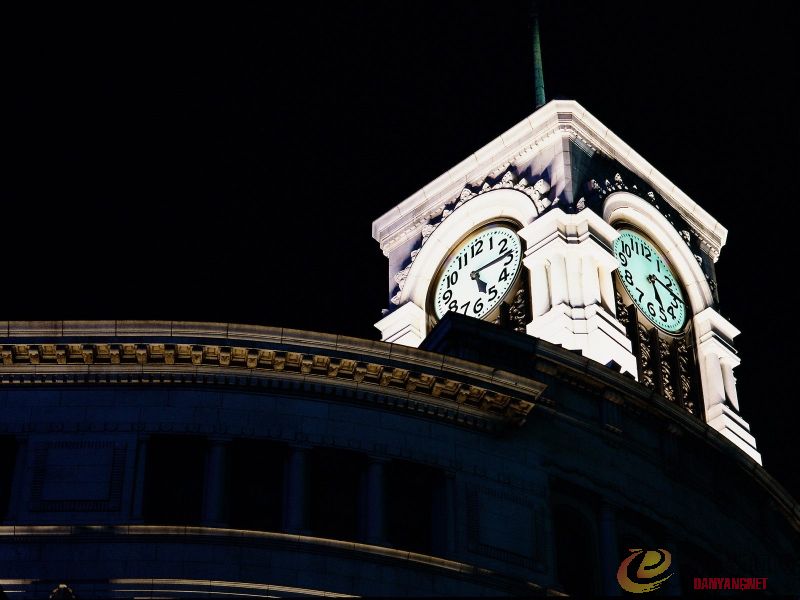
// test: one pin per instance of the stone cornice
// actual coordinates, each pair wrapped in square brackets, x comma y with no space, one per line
[556,119]
[251,356]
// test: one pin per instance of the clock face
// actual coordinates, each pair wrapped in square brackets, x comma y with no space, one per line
[649,281]
[478,273]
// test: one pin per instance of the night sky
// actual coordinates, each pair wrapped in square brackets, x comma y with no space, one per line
[226,164]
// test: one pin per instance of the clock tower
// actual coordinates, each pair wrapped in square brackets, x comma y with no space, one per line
[558,229]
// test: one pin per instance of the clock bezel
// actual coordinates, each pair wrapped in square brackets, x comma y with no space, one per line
[621,226]
[457,247]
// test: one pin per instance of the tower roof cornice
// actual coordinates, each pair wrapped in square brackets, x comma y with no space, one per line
[558,119]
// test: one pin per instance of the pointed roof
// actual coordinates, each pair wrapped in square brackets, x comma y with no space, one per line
[548,130]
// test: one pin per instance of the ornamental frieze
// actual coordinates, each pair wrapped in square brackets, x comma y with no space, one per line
[112,362]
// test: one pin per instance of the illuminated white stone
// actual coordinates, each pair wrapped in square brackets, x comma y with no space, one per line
[714,335]
[406,325]
[575,249]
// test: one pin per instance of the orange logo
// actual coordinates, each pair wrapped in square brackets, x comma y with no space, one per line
[652,564]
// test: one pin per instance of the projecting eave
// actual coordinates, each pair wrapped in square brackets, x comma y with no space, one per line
[565,119]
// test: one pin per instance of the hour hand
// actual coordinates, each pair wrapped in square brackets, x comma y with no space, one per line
[481,283]
[652,280]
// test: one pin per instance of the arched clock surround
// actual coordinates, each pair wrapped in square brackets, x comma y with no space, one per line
[709,333]
[498,205]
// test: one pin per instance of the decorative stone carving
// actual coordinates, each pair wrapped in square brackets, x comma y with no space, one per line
[666,370]
[684,379]
[517,312]
[239,364]
[400,277]
[646,366]
[622,310]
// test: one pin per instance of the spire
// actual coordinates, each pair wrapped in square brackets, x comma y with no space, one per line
[538,74]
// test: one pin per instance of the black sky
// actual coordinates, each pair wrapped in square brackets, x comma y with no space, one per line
[225,164]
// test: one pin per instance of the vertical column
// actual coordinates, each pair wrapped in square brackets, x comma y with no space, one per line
[609,552]
[540,287]
[607,291]
[573,262]
[717,358]
[590,281]
[580,315]
[376,501]
[295,505]
[215,483]
[729,381]
[137,509]
[559,291]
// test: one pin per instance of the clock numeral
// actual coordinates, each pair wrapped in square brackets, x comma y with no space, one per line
[627,249]
[452,278]
[641,293]
[453,305]
[478,306]
[510,258]
[651,309]
[465,260]
[476,248]
[491,243]
[671,311]
[622,258]
[674,303]
[503,275]
[628,277]
[662,313]
[448,294]
[503,244]
[492,293]
[465,306]
[648,255]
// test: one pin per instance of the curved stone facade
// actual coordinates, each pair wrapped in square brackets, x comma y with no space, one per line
[189,460]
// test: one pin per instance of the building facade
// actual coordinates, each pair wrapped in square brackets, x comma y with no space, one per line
[554,388]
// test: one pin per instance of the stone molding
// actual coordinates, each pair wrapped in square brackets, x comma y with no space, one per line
[470,400]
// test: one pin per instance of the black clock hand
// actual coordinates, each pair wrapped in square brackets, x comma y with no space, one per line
[652,279]
[475,273]
[481,283]
[669,289]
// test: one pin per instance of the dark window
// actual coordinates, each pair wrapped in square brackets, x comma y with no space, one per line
[256,484]
[173,492]
[8,455]
[412,492]
[334,492]
[576,566]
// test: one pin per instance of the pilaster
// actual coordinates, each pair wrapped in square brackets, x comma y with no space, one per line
[717,359]
[571,266]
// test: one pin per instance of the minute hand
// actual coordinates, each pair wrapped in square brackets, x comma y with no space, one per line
[669,289]
[474,273]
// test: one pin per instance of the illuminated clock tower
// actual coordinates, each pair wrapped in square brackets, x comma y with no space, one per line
[557,228]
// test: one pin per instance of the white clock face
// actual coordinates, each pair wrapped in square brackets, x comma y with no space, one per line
[478,273]
[649,281]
